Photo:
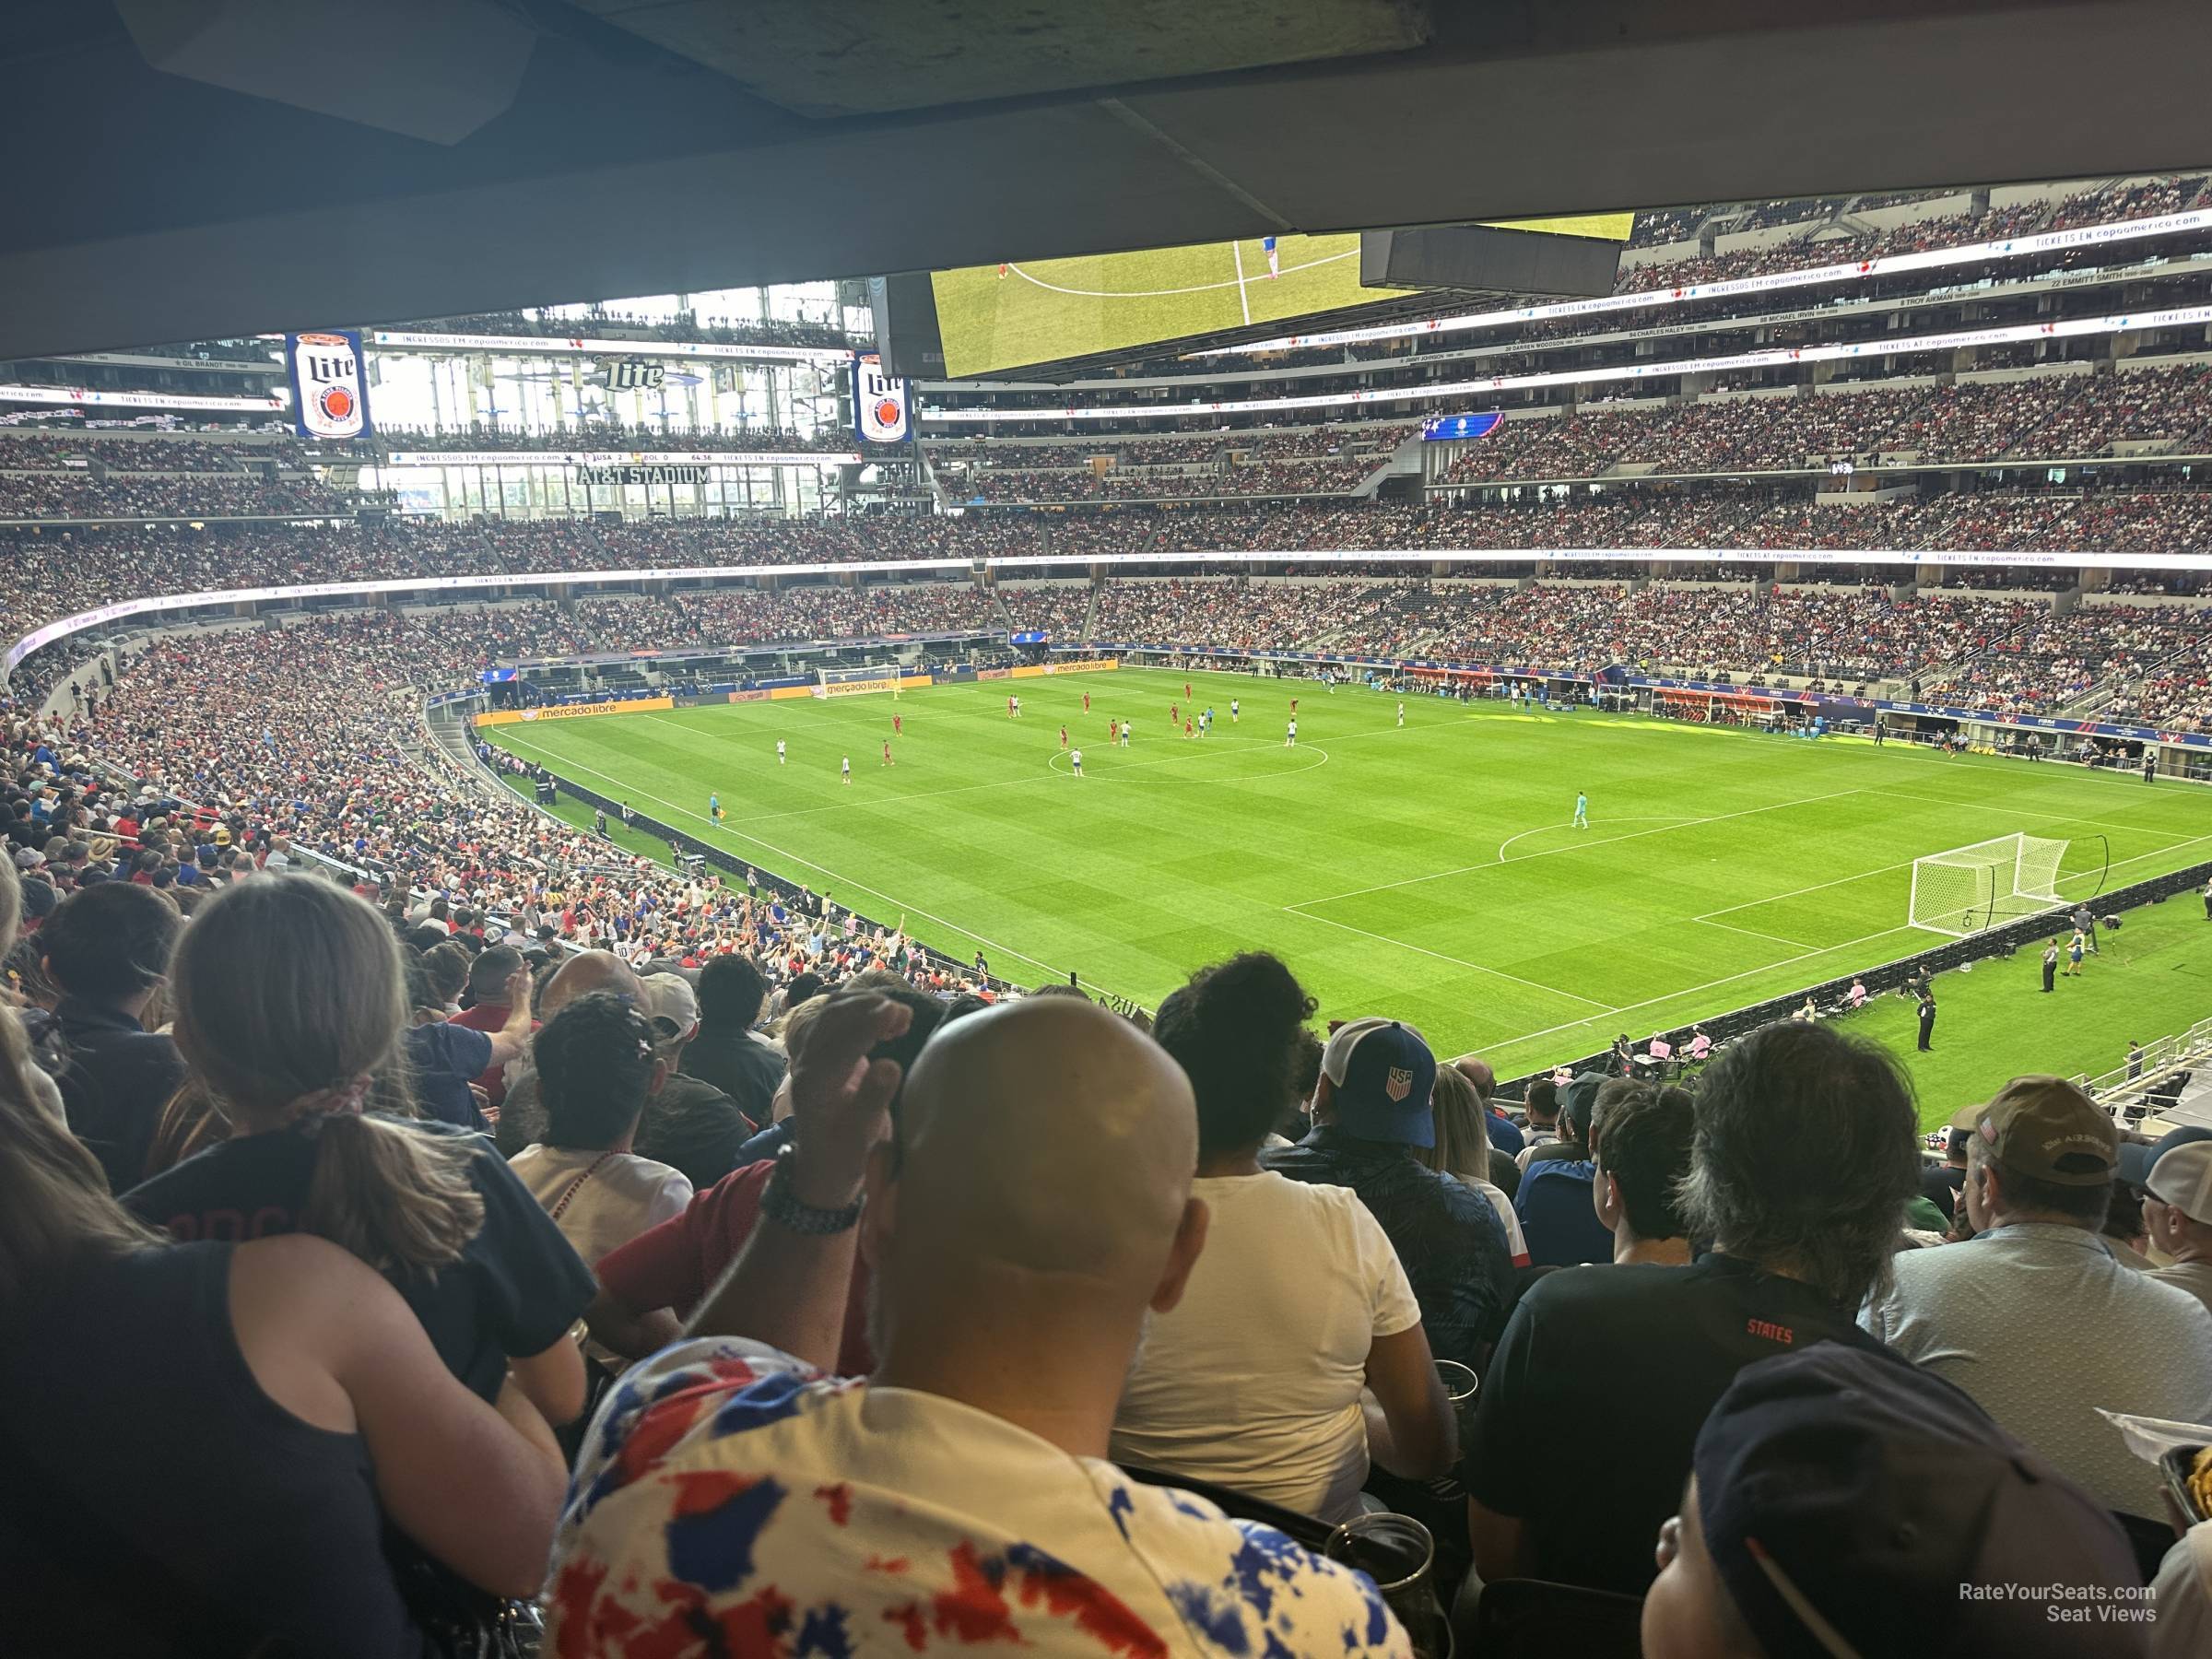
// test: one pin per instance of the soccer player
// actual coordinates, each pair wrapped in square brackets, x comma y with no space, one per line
[1075,760]
[1125,744]
[1401,710]
[848,771]
[1294,708]
[1086,702]
[1186,728]
[897,725]
[1186,690]
[1174,713]
[1234,707]
[1290,737]
[1062,736]
[779,751]
[887,753]
[1009,708]
[1582,810]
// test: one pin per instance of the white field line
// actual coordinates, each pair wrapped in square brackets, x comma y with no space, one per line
[1653,1002]
[840,882]
[1751,932]
[1603,840]
[1236,250]
[1457,961]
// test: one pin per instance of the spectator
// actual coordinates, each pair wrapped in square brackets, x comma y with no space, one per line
[446,1057]
[1019,1263]
[1801,1154]
[1840,1502]
[674,1265]
[1543,1126]
[106,949]
[1464,1152]
[1940,1183]
[727,1052]
[689,1123]
[237,1507]
[522,1117]
[2033,1317]
[1641,1154]
[1556,1202]
[2178,1207]
[595,1065]
[490,1008]
[1253,1380]
[289,1011]
[1370,1119]
[1503,1133]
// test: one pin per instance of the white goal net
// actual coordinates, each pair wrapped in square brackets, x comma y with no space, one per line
[1968,889]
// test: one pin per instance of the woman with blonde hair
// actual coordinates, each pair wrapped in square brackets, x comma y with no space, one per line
[290,1004]
[1462,1150]
[240,1505]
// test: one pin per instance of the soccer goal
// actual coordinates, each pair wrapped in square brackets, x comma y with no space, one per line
[1968,889]
[857,682]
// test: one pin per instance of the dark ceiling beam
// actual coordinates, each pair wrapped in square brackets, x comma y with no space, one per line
[145,208]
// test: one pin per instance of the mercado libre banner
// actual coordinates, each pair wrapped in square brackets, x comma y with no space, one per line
[628,705]
[857,687]
[1084,665]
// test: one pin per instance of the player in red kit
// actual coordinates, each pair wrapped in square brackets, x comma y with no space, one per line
[1294,705]
[1186,690]
[1186,729]
[887,753]
[1175,712]
[1086,702]
[899,725]
[1009,708]
[1062,736]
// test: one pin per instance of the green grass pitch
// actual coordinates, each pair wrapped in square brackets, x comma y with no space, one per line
[1427,871]
[1043,309]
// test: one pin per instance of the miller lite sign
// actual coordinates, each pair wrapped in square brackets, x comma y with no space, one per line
[879,413]
[328,398]
[635,374]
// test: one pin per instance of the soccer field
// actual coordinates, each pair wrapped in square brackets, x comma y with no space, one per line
[1429,872]
[1038,311]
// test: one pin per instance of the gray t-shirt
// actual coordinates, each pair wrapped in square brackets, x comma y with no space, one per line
[2042,1326]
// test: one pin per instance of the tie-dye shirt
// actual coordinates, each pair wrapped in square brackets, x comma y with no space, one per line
[731,1500]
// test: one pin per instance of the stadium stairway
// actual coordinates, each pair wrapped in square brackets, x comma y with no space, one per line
[1090,609]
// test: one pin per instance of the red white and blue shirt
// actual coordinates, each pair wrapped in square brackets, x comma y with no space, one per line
[730,1499]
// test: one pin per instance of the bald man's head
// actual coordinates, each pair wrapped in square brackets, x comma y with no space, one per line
[1045,1137]
[585,972]
[1477,1070]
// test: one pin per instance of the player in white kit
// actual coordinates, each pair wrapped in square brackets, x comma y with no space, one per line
[779,751]
[1075,760]
[1290,737]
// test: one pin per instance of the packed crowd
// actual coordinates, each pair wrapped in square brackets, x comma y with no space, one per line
[121,495]
[2103,204]
[48,452]
[2045,666]
[2059,416]
[2174,696]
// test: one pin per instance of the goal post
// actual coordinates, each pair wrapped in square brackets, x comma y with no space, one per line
[1968,890]
[858,682]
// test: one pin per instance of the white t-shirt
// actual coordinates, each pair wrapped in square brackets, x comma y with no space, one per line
[1253,1379]
[729,1500]
[1516,1241]
[625,1196]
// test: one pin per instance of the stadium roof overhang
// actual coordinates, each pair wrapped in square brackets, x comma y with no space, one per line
[327,161]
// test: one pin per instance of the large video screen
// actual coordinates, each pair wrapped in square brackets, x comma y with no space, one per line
[1003,316]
